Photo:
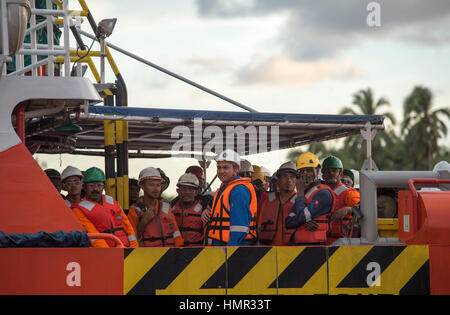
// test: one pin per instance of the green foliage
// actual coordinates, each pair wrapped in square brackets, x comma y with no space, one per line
[416,147]
[422,127]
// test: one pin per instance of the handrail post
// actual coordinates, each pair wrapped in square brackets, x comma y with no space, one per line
[5,38]
[50,41]
[66,39]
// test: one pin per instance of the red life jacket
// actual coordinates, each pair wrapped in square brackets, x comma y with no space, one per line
[219,224]
[106,218]
[302,235]
[336,229]
[190,223]
[270,212]
[264,195]
[162,229]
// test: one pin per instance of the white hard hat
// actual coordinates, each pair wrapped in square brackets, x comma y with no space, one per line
[71,171]
[188,179]
[356,182]
[289,167]
[230,156]
[442,166]
[246,166]
[265,170]
[149,173]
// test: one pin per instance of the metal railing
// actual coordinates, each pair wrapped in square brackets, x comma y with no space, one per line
[70,57]
[35,49]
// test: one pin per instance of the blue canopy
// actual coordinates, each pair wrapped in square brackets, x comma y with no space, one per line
[157,113]
[159,132]
[156,129]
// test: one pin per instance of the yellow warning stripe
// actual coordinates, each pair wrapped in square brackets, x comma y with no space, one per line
[202,267]
[259,278]
[138,263]
[277,270]
[392,280]
[403,268]
[341,263]
[316,284]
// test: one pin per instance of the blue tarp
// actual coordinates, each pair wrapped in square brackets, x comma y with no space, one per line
[45,239]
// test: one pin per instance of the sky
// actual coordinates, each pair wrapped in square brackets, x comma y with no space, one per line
[285,56]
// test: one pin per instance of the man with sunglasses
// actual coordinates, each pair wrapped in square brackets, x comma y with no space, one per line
[100,213]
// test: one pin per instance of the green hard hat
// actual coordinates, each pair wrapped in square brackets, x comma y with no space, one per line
[332,162]
[94,174]
[349,173]
[52,173]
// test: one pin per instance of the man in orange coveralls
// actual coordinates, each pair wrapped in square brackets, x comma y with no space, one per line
[100,213]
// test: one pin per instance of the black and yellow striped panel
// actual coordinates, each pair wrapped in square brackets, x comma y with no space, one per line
[190,271]
[379,270]
[251,270]
[302,270]
[277,270]
[230,270]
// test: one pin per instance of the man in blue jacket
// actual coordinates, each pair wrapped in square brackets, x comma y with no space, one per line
[233,216]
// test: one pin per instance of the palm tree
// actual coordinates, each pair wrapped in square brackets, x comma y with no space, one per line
[366,104]
[422,126]
[364,101]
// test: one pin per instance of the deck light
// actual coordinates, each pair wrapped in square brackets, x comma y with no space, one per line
[105,27]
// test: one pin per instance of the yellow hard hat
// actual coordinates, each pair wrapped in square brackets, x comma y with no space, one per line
[258,174]
[307,159]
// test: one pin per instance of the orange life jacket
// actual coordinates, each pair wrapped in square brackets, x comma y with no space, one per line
[269,216]
[336,228]
[302,235]
[190,223]
[219,224]
[162,230]
[111,223]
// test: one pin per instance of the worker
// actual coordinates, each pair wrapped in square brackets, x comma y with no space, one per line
[387,203]
[233,216]
[156,225]
[314,202]
[205,197]
[345,198]
[100,213]
[271,226]
[165,180]
[55,178]
[133,191]
[198,172]
[188,210]
[348,178]
[266,172]
[72,182]
[259,181]
[274,183]
[246,169]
